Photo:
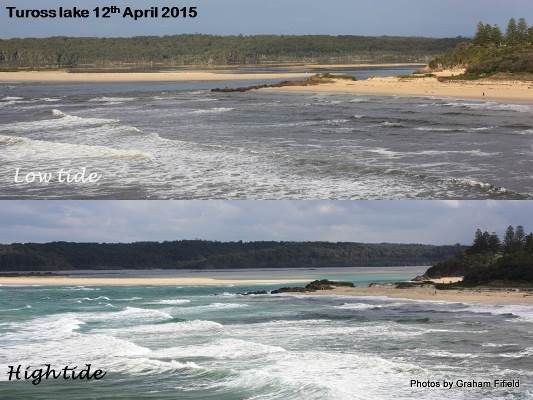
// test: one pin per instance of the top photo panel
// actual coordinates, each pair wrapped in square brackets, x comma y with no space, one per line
[278,99]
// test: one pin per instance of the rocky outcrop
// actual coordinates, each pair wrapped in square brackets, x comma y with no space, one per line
[311,81]
[314,286]
[259,292]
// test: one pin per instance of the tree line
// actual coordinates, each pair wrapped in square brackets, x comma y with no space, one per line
[199,49]
[492,52]
[517,33]
[197,254]
[491,260]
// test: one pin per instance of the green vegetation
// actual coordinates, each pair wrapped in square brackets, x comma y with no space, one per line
[491,52]
[207,254]
[145,52]
[491,261]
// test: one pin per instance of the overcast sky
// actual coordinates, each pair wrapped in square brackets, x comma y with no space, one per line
[438,222]
[437,18]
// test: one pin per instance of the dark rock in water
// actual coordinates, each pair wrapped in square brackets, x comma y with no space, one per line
[290,290]
[325,284]
[254,293]
[420,278]
[311,81]
[314,286]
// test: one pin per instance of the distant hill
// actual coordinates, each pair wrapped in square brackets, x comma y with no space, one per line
[199,254]
[179,50]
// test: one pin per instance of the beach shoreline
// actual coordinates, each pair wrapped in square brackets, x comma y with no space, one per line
[117,77]
[146,281]
[193,73]
[430,86]
[429,293]
[484,89]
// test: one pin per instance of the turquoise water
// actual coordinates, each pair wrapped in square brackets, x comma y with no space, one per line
[212,343]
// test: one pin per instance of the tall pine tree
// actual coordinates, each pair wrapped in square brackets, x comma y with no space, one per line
[508,240]
[511,37]
[522,31]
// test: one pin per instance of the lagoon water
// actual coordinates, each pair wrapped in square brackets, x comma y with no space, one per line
[180,141]
[212,343]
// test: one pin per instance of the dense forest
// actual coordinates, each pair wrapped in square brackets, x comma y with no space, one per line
[200,254]
[492,52]
[491,260]
[197,49]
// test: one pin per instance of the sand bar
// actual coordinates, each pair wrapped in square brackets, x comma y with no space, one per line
[148,281]
[356,66]
[513,91]
[485,296]
[172,76]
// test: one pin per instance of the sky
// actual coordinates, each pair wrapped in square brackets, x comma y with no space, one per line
[435,18]
[430,222]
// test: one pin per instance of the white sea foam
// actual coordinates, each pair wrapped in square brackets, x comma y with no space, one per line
[477,184]
[87,288]
[317,375]
[11,98]
[434,129]
[28,147]
[11,140]
[64,121]
[525,132]
[130,313]
[389,124]
[26,307]
[221,349]
[209,308]
[170,301]
[184,327]
[216,110]
[366,306]
[524,312]
[57,326]
[492,106]
[95,298]
[111,100]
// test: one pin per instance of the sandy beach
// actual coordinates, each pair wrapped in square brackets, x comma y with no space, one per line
[172,76]
[498,90]
[485,296]
[514,91]
[215,73]
[172,281]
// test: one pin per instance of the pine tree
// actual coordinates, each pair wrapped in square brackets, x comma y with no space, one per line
[496,35]
[494,243]
[508,240]
[529,243]
[511,36]
[519,236]
[477,246]
[483,34]
[522,31]
[530,35]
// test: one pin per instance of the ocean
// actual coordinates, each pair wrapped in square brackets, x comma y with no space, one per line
[181,141]
[212,343]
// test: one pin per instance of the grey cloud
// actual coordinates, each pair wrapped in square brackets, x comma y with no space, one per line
[365,221]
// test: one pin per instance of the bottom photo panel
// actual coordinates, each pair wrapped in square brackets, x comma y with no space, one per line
[265,300]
